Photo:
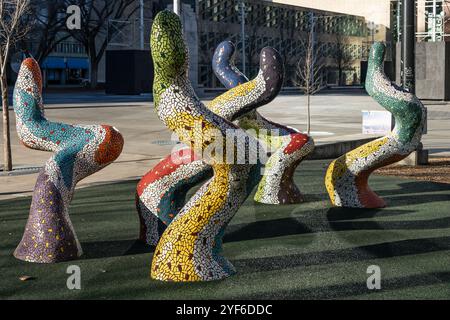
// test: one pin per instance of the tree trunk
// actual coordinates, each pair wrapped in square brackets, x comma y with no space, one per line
[94,74]
[308,128]
[6,131]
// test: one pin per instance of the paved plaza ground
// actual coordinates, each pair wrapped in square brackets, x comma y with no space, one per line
[335,117]
[307,251]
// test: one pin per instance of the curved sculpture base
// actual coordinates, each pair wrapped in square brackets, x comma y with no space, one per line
[78,152]
[161,193]
[150,226]
[347,177]
[190,248]
[369,199]
[278,186]
[351,189]
[289,194]
[49,236]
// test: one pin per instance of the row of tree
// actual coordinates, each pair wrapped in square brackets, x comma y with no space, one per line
[45,23]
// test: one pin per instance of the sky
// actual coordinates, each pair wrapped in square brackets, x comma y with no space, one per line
[377,11]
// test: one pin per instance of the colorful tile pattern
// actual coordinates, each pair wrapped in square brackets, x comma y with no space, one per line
[289,147]
[347,177]
[190,247]
[161,193]
[78,151]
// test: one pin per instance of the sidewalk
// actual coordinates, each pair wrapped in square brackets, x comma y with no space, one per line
[334,118]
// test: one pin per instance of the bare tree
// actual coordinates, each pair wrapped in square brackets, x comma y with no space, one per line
[343,58]
[309,69]
[50,27]
[12,30]
[251,51]
[95,16]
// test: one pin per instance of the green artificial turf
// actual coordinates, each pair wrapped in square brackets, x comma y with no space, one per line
[305,251]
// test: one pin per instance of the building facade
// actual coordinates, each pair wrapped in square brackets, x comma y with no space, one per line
[284,27]
[433,20]
[348,26]
[68,64]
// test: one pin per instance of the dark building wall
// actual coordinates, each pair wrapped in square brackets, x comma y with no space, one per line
[129,72]
[432,70]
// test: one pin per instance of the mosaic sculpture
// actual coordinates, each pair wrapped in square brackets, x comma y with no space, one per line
[289,146]
[190,247]
[161,193]
[347,177]
[79,151]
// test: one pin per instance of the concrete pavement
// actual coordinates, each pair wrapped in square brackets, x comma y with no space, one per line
[335,117]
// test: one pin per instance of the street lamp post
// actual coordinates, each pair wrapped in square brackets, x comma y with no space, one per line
[242,11]
[312,21]
[408,45]
[399,21]
[372,27]
[409,55]
[141,24]
[433,34]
